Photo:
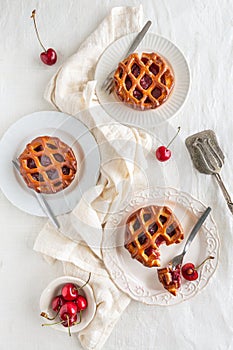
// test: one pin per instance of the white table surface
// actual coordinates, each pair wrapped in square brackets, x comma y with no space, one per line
[204,32]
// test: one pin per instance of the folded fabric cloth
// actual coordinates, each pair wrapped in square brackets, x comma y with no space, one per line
[123,160]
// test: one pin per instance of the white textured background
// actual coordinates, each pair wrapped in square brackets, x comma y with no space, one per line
[204,32]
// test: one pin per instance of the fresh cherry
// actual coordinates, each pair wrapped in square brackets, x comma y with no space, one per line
[48,56]
[81,302]
[72,320]
[189,271]
[163,153]
[69,291]
[68,310]
[57,302]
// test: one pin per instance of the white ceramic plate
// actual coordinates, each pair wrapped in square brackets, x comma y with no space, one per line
[151,43]
[69,130]
[54,289]
[141,283]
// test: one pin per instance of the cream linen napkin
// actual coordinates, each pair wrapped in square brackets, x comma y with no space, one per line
[123,150]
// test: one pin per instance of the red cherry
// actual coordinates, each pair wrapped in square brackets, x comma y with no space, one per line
[189,272]
[69,291]
[57,302]
[81,302]
[68,310]
[163,153]
[49,56]
[71,322]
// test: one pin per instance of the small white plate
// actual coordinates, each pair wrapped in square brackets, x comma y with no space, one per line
[151,43]
[69,130]
[54,289]
[141,283]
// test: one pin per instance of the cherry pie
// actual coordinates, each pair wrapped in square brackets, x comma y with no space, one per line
[170,279]
[144,82]
[149,227]
[47,164]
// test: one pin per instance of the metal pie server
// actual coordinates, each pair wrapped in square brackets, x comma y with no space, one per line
[208,158]
[42,201]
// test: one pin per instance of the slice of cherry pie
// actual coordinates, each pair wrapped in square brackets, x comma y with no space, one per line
[170,279]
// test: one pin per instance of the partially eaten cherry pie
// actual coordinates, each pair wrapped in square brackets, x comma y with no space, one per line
[47,164]
[144,82]
[147,228]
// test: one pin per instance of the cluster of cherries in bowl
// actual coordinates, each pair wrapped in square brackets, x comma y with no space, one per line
[68,305]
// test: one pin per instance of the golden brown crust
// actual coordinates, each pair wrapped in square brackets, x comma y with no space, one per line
[47,164]
[144,82]
[147,228]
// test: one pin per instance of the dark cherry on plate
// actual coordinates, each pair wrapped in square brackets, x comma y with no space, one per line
[163,153]
[48,56]
[189,271]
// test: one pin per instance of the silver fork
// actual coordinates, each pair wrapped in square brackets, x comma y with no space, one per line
[177,260]
[42,201]
[108,82]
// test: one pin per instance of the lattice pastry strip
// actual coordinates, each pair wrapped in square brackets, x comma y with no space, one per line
[47,164]
[149,227]
[144,82]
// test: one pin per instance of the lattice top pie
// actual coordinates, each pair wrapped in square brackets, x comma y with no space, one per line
[144,82]
[149,227]
[47,164]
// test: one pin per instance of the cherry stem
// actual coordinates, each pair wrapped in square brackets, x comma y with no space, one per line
[209,257]
[33,16]
[68,321]
[89,277]
[43,314]
[178,130]
[51,324]
[80,318]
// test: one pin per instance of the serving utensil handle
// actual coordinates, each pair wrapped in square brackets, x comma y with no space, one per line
[224,191]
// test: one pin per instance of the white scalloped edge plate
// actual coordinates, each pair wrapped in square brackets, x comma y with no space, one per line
[151,43]
[141,283]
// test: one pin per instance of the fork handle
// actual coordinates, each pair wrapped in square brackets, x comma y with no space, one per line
[224,191]
[195,229]
[138,38]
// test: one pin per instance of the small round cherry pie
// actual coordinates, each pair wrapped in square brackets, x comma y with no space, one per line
[47,164]
[144,82]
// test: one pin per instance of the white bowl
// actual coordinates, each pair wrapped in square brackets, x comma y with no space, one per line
[54,289]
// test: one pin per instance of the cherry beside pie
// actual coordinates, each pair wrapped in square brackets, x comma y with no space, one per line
[47,164]
[144,82]
[147,228]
